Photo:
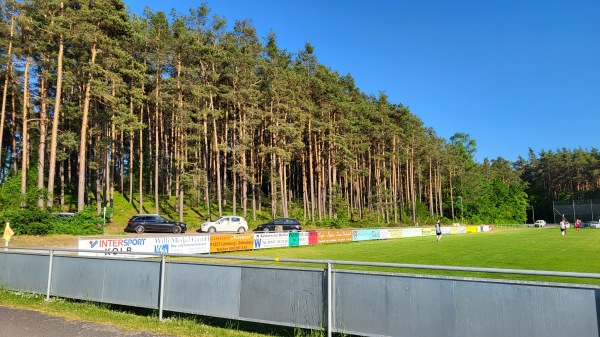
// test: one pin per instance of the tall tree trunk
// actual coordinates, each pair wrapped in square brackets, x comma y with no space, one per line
[6,78]
[61,173]
[156,141]
[110,160]
[330,176]
[244,167]
[311,173]
[43,135]
[412,184]
[439,189]
[25,133]
[99,182]
[305,201]
[451,192]
[13,129]
[431,203]
[394,177]
[83,137]
[206,164]
[141,164]
[130,159]
[179,143]
[273,187]
[253,185]
[217,158]
[121,161]
[56,119]
[282,185]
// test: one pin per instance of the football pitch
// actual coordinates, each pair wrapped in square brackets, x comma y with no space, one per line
[524,249]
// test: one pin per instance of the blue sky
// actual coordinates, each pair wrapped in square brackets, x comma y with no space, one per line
[513,74]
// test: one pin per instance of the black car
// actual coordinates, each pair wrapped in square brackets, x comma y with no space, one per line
[281,224]
[154,223]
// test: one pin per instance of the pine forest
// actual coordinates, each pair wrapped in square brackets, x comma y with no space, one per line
[208,117]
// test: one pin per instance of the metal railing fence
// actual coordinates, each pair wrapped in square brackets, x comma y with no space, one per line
[336,301]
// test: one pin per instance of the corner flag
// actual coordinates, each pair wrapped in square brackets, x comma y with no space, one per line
[8,233]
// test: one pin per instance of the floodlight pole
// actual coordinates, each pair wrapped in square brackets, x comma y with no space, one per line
[533,214]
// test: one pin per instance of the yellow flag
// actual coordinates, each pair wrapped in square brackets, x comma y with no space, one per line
[8,233]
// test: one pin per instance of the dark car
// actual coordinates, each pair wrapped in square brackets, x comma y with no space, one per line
[281,224]
[590,224]
[154,223]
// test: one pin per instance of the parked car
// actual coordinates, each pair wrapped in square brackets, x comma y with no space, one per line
[230,223]
[281,224]
[540,223]
[592,224]
[154,223]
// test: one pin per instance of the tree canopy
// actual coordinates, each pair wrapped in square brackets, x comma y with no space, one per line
[181,106]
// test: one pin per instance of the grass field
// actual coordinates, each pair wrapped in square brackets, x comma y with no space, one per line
[528,249]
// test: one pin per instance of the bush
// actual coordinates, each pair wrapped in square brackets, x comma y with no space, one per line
[37,222]
[27,221]
[38,228]
[85,222]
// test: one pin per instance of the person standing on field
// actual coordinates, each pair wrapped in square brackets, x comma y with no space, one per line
[563,226]
[577,225]
[438,231]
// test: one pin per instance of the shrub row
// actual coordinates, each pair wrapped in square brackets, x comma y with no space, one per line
[38,222]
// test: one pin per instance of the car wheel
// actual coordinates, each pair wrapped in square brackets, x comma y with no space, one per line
[176,230]
[212,230]
[265,229]
[241,230]
[140,229]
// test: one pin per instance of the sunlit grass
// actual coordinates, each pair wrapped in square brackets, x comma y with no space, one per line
[527,249]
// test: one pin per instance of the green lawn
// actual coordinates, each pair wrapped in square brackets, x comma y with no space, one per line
[529,249]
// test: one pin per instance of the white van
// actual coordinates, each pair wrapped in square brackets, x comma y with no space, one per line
[540,223]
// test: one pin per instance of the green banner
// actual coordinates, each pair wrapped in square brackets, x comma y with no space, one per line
[294,239]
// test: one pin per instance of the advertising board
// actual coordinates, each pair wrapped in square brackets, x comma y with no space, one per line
[197,244]
[335,236]
[272,240]
[365,234]
[231,242]
[411,232]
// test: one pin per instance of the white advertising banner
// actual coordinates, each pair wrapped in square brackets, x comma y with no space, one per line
[395,233]
[271,240]
[411,232]
[384,234]
[303,238]
[197,244]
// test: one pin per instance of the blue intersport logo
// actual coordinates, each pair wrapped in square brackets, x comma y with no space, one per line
[161,249]
[94,243]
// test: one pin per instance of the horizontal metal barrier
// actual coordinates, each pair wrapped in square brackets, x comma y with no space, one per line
[333,300]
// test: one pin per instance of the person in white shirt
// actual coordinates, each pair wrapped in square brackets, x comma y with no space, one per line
[563,226]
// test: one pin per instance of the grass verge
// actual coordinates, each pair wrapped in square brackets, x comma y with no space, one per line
[135,319]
